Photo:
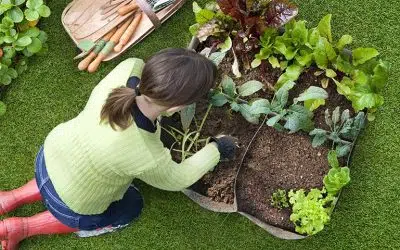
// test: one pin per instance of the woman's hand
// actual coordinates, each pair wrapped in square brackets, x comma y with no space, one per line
[226,146]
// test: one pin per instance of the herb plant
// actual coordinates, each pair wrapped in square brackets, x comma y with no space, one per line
[19,37]
[343,130]
[279,199]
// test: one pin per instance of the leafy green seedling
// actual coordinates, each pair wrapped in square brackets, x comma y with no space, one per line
[279,199]
[311,211]
[343,130]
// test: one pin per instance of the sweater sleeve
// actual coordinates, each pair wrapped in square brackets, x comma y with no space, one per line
[172,176]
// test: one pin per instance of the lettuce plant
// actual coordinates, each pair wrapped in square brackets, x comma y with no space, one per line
[337,177]
[311,211]
[279,199]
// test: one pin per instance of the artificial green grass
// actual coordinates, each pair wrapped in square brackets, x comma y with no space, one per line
[53,91]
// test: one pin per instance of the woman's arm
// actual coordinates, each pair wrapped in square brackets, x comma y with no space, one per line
[172,176]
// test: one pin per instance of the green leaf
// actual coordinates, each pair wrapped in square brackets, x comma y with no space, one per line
[21,66]
[363,96]
[320,56]
[218,100]
[3,108]
[5,7]
[12,73]
[343,65]
[299,118]
[16,14]
[343,149]
[204,15]
[304,58]
[330,73]
[19,2]
[336,115]
[34,4]
[300,33]
[9,52]
[31,15]
[42,36]
[312,93]
[281,96]
[320,136]
[245,110]
[333,159]
[275,119]
[31,32]
[274,62]
[336,179]
[345,116]
[343,41]
[35,46]
[226,45]
[313,104]
[381,75]
[314,36]
[250,88]
[217,57]
[187,115]
[23,41]
[287,50]
[44,11]
[260,106]
[196,7]
[194,29]
[324,27]
[361,55]
[235,106]
[328,119]
[292,73]
[360,77]
[255,63]
[229,87]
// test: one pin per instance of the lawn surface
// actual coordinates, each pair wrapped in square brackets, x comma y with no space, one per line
[53,91]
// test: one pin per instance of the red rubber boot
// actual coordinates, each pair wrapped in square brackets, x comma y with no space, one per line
[16,229]
[9,200]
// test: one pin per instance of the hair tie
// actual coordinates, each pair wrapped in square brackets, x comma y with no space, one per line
[137,91]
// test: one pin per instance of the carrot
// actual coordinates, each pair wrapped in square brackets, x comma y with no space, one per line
[127,8]
[85,62]
[129,32]
[109,46]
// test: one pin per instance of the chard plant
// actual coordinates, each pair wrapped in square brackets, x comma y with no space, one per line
[19,37]
[343,130]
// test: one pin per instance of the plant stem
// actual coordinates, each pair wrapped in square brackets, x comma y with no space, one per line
[200,128]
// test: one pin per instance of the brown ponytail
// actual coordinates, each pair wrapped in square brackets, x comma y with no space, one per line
[170,78]
[117,109]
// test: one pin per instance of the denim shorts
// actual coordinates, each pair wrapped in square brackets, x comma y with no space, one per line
[119,213]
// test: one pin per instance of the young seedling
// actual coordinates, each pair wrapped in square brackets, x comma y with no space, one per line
[343,131]
[279,199]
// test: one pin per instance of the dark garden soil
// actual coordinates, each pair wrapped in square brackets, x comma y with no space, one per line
[275,160]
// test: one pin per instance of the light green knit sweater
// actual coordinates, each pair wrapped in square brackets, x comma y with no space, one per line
[91,165]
